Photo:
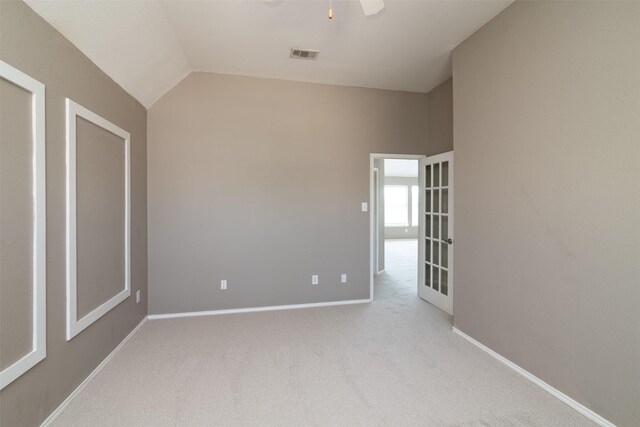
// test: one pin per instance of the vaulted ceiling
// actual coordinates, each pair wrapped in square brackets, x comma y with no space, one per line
[150,46]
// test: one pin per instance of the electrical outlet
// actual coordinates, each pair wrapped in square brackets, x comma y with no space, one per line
[137,297]
[343,278]
[223,284]
[314,279]
[365,207]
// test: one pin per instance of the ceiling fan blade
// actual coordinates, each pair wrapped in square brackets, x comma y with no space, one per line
[371,7]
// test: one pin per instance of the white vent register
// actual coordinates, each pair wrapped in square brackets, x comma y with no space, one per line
[304,54]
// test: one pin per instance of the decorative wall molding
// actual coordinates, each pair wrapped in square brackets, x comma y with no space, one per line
[75,325]
[39,307]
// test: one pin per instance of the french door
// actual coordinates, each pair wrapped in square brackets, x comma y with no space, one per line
[435,250]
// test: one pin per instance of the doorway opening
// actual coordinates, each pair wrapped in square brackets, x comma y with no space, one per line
[395,222]
[411,220]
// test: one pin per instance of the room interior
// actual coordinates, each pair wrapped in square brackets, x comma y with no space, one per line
[396,218]
[193,205]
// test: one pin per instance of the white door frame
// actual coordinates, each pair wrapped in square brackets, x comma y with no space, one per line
[376,213]
[372,225]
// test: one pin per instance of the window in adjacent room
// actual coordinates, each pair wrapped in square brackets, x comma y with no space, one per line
[396,206]
[414,206]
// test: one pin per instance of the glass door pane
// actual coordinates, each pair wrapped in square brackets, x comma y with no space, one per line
[437,252]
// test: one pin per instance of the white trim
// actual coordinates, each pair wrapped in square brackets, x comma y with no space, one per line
[372,225]
[39,304]
[75,325]
[51,418]
[375,207]
[537,381]
[256,309]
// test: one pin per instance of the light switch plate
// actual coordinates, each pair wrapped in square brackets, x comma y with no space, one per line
[365,206]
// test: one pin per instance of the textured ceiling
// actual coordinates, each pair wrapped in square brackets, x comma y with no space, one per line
[149,46]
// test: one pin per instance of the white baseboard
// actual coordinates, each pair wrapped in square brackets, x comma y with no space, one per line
[256,309]
[537,381]
[51,418]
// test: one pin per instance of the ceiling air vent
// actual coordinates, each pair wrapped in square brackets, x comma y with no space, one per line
[304,54]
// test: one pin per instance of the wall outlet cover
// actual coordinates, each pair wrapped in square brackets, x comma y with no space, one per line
[343,278]
[223,284]
[365,206]
[314,279]
[137,297]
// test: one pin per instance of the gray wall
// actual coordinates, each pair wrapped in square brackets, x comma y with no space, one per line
[547,120]
[440,118]
[260,182]
[30,44]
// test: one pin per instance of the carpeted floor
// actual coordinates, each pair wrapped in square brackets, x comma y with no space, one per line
[394,362]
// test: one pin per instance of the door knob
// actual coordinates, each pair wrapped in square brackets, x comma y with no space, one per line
[449,240]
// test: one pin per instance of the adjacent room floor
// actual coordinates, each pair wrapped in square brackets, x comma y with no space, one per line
[401,263]
[394,362]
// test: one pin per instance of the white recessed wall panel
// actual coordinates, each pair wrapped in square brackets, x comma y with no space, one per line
[98,215]
[22,223]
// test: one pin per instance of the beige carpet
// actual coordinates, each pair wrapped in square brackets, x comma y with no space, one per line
[394,362]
